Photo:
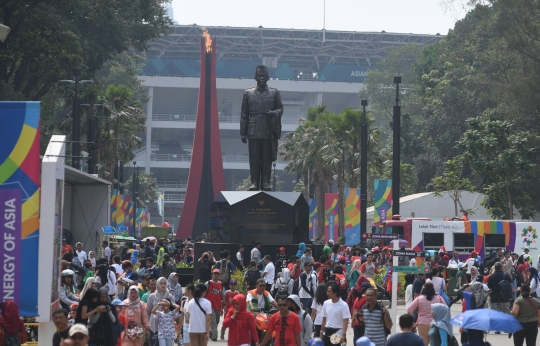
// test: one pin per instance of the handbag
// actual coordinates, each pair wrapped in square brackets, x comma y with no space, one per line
[443,294]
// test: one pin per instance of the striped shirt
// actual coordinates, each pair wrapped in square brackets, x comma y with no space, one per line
[374,323]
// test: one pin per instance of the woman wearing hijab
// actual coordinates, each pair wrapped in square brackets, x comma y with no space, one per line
[137,319]
[87,285]
[11,323]
[301,250]
[354,273]
[92,258]
[440,328]
[100,330]
[175,289]
[284,279]
[241,324]
[88,306]
[135,255]
[534,282]
[356,292]
[154,299]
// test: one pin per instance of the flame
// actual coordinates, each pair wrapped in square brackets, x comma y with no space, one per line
[208,41]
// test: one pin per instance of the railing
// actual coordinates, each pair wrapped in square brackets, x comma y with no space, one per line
[139,151]
[187,158]
[173,117]
[222,119]
[177,197]
[172,184]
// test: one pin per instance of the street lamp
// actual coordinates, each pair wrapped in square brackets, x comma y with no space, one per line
[275,185]
[91,132]
[76,135]
[396,151]
[363,170]
[134,187]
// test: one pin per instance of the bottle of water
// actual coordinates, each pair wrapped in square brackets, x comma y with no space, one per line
[181,341]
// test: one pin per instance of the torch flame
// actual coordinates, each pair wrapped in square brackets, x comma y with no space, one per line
[208,43]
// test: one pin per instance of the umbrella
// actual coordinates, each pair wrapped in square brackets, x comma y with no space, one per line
[402,242]
[486,319]
[150,238]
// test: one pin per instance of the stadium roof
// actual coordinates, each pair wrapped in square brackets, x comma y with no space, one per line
[287,45]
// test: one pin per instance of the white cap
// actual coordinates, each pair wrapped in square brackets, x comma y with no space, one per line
[78,328]
[331,241]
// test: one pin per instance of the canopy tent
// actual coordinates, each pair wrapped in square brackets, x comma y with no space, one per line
[426,204]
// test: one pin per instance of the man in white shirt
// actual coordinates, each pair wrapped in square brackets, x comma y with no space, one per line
[240,257]
[256,254]
[117,266]
[308,286]
[80,253]
[455,258]
[335,314]
[106,251]
[269,272]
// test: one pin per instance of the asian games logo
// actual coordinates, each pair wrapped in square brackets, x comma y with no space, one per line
[529,234]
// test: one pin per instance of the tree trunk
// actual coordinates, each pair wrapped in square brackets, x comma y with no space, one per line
[305,178]
[510,203]
[319,182]
[341,200]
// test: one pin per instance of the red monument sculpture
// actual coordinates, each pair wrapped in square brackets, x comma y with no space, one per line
[206,178]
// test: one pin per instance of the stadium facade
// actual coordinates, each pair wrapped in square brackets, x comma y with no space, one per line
[309,68]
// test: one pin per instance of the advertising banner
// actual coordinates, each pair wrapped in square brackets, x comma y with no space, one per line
[20,189]
[160,202]
[382,198]
[527,237]
[352,216]
[331,217]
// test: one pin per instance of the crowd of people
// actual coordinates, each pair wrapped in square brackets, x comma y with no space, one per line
[131,296]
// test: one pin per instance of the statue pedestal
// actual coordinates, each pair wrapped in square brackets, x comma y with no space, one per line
[269,217]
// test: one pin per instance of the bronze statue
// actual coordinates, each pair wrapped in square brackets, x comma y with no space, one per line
[260,124]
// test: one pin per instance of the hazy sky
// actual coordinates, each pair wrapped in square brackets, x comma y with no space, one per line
[403,16]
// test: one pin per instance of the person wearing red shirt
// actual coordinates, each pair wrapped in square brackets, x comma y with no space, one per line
[65,247]
[358,324]
[228,302]
[215,296]
[295,267]
[286,325]
[240,322]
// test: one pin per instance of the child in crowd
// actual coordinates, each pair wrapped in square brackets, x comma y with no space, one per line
[166,318]
[72,313]
[228,299]
[118,305]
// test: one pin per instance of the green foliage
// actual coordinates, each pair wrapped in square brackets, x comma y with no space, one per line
[147,186]
[238,275]
[451,180]
[378,278]
[183,265]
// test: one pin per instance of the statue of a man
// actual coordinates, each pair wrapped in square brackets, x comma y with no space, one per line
[260,125]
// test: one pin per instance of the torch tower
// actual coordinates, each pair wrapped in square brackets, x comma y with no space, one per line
[206,178]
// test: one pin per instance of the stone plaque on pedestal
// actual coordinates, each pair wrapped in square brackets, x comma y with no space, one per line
[269,217]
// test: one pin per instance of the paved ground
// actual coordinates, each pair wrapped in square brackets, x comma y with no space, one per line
[493,339]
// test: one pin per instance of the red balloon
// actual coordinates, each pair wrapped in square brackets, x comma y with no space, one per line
[166,224]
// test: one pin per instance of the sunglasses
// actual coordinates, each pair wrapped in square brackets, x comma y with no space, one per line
[78,337]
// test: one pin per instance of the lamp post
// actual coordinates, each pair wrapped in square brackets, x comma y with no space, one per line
[134,194]
[274,185]
[396,151]
[76,135]
[363,171]
[91,133]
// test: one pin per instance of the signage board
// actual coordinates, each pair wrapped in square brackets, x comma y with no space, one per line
[410,253]
[406,269]
[382,236]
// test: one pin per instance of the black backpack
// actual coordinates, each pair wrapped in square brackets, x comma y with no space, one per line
[204,271]
[296,286]
[252,277]
[11,340]
[505,291]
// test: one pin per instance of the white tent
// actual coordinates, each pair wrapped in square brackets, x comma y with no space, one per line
[428,205]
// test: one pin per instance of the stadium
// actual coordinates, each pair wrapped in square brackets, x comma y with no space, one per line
[309,67]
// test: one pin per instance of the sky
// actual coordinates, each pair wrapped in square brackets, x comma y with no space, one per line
[401,16]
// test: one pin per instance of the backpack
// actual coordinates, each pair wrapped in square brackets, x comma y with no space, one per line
[252,277]
[326,274]
[341,280]
[283,289]
[479,295]
[505,291]
[224,273]
[11,340]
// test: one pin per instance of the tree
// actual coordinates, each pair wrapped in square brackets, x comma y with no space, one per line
[452,181]
[49,38]
[146,188]
[501,156]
